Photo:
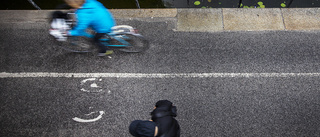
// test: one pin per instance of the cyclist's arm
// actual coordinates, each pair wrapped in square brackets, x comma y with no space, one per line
[83,21]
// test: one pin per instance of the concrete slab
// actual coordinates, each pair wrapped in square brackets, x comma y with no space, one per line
[143,13]
[202,20]
[302,19]
[24,15]
[252,19]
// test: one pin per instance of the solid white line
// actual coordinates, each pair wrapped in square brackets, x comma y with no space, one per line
[151,75]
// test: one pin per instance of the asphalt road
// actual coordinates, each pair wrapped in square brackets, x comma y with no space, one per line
[225,105]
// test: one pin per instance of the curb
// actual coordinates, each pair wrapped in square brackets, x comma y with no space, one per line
[203,20]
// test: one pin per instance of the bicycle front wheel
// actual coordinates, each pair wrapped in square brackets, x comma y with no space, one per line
[76,44]
[134,43]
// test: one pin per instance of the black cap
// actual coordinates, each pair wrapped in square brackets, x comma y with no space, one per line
[139,128]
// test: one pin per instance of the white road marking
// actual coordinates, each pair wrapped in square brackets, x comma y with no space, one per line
[84,90]
[151,75]
[89,120]
[89,79]
[92,85]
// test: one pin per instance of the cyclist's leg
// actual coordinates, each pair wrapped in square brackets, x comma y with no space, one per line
[103,50]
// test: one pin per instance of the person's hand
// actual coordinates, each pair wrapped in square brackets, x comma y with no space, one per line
[65,34]
[58,35]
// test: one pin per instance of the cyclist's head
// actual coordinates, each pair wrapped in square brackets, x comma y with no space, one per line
[75,3]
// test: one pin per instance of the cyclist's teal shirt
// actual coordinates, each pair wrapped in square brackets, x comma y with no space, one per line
[93,14]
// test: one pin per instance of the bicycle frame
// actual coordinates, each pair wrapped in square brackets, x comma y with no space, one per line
[119,38]
[117,35]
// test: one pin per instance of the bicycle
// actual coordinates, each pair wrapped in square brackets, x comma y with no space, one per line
[122,37]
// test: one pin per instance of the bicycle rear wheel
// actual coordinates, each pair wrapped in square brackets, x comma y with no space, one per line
[135,43]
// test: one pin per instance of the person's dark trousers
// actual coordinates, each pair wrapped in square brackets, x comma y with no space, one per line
[96,40]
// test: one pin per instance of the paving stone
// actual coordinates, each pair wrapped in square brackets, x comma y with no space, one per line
[24,15]
[301,19]
[252,19]
[202,20]
[143,13]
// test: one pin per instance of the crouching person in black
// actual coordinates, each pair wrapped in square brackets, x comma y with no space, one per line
[163,115]
[162,123]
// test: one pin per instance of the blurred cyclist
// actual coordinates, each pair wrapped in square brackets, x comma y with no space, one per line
[91,13]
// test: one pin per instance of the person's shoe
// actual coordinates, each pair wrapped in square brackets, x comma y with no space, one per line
[108,52]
